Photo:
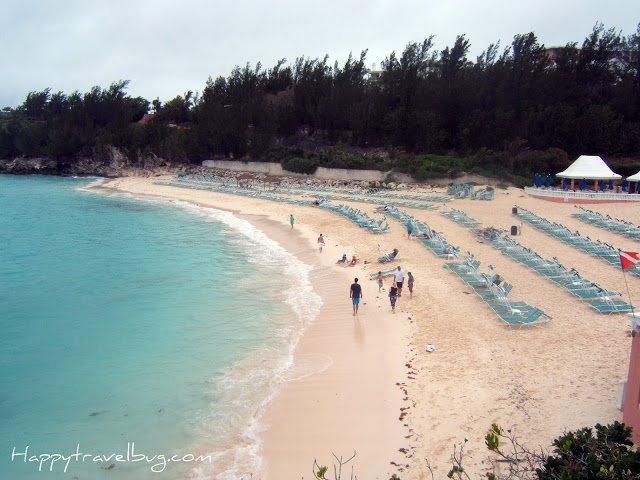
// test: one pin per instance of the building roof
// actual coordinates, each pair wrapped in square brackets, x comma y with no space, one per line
[146,118]
[590,167]
[634,178]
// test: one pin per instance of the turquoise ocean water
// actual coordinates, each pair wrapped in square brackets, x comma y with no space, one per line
[137,328]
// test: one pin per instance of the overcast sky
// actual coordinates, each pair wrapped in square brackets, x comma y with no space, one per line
[166,48]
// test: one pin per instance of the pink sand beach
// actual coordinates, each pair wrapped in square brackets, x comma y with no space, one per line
[368,384]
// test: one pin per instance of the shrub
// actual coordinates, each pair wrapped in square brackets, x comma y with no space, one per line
[300,165]
[581,455]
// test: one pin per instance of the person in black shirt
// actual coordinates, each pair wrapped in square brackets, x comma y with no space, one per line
[393,296]
[355,294]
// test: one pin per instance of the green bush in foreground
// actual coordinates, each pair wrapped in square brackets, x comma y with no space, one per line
[606,455]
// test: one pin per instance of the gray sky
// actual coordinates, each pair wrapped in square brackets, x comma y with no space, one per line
[166,48]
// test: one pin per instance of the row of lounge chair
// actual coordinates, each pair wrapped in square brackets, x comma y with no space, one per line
[596,296]
[496,296]
[606,221]
[358,217]
[485,285]
[394,196]
[267,195]
[461,217]
[355,215]
[424,206]
[600,249]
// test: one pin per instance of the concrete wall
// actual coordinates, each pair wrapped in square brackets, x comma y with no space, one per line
[631,404]
[272,168]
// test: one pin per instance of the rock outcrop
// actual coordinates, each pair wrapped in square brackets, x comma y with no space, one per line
[110,162]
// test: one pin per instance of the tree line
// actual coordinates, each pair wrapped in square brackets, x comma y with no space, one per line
[520,110]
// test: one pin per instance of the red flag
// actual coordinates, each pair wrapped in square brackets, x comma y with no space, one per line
[628,259]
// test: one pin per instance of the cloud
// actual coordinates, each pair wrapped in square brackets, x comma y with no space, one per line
[167,48]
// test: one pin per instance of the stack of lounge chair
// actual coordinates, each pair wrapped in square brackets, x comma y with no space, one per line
[460,190]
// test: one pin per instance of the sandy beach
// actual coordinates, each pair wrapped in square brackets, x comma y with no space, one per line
[366,384]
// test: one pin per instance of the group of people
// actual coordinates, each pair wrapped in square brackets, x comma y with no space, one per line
[396,287]
[355,292]
[395,291]
[344,261]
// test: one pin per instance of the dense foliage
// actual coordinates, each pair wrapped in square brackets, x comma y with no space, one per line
[609,454]
[521,110]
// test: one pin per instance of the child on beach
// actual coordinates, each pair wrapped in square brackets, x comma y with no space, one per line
[380,279]
[410,284]
[291,220]
[393,296]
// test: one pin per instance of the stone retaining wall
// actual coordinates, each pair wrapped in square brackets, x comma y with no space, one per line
[275,169]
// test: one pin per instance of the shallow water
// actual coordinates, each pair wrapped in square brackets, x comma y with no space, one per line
[141,322]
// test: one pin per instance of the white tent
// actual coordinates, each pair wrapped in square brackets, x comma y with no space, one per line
[634,178]
[590,167]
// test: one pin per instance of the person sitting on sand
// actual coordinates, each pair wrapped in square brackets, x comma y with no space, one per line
[343,259]
[353,261]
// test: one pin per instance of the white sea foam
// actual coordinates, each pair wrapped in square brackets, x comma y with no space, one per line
[230,429]
[97,181]
[253,382]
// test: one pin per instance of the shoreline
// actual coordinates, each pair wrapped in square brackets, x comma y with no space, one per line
[345,367]
[539,382]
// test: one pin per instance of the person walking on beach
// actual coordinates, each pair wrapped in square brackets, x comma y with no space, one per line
[291,221]
[320,242]
[409,229]
[355,294]
[410,284]
[399,276]
[380,279]
[393,296]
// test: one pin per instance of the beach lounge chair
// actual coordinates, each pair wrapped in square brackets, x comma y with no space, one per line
[373,276]
[617,306]
[503,305]
[529,317]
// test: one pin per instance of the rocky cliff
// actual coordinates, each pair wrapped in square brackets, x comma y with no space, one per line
[112,162]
